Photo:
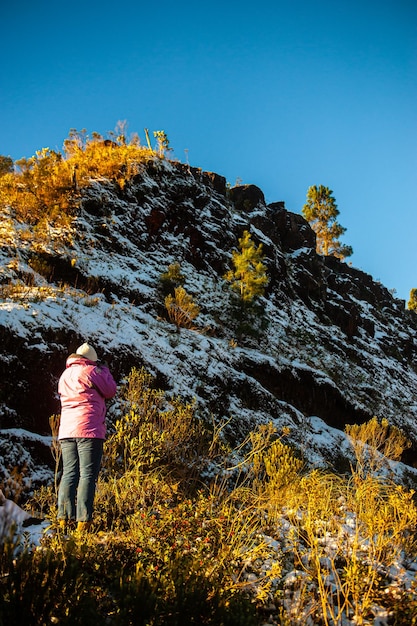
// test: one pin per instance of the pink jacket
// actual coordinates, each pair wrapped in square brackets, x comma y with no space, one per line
[83,387]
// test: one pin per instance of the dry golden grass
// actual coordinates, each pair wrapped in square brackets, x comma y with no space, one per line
[45,189]
[163,523]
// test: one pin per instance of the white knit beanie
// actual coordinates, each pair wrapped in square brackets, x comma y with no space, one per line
[88,352]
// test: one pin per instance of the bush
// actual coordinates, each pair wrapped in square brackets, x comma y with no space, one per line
[181,308]
[373,443]
[155,432]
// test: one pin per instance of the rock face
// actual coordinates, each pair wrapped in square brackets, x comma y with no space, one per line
[325,341]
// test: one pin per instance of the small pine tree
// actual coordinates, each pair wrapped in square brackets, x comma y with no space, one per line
[321,212]
[248,278]
[412,303]
[172,278]
[173,275]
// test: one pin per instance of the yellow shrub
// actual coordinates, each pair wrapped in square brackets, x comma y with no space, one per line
[181,308]
[156,433]
[46,186]
[373,442]
[278,473]
[39,188]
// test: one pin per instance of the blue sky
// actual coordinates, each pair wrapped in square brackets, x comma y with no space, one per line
[282,95]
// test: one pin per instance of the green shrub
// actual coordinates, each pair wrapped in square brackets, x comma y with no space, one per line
[172,278]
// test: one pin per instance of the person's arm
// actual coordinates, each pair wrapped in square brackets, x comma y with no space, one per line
[103,381]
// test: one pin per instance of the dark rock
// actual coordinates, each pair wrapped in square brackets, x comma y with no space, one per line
[246,197]
[294,231]
[218,182]
[301,388]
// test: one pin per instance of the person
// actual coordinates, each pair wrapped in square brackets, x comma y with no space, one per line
[83,387]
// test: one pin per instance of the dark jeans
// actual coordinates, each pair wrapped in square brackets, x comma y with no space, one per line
[81,459]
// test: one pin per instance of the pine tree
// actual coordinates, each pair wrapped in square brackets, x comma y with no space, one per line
[412,303]
[321,212]
[248,278]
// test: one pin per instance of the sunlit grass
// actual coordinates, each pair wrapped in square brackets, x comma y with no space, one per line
[44,190]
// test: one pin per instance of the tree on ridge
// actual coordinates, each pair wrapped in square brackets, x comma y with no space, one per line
[321,212]
[412,303]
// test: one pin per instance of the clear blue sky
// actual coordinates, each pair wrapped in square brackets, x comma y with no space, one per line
[283,95]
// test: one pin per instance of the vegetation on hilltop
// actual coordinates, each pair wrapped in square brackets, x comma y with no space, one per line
[44,189]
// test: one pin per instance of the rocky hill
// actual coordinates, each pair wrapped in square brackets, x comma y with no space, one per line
[326,346]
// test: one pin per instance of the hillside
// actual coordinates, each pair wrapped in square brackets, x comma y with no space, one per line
[327,345]
[230,494]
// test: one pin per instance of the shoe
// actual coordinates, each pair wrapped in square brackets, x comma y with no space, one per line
[66,526]
[83,527]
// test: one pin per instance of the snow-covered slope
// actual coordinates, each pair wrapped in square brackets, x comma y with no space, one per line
[326,345]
